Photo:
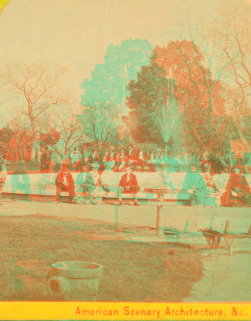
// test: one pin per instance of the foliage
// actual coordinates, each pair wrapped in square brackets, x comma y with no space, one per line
[104,97]
[184,115]
[108,80]
[49,139]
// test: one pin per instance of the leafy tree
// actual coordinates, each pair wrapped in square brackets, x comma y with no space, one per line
[50,138]
[196,97]
[104,97]
[109,80]
[6,135]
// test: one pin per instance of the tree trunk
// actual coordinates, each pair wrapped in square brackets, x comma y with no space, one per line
[34,152]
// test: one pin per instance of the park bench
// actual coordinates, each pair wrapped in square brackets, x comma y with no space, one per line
[211,228]
[236,229]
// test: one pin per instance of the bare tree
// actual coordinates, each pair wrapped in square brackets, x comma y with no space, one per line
[62,119]
[235,44]
[36,88]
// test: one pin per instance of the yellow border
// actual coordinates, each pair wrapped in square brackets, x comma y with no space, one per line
[123,311]
[3,4]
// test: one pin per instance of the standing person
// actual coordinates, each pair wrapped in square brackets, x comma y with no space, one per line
[64,182]
[3,175]
[141,159]
[96,158]
[129,184]
[122,160]
[113,161]
[45,161]
[129,154]
[75,158]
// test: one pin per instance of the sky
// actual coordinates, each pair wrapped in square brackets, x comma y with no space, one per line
[76,33]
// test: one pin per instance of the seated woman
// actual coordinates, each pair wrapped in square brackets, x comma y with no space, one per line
[129,184]
[64,183]
[237,190]
[194,189]
[84,185]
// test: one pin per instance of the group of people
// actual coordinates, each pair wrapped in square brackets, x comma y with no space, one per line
[206,188]
[84,186]
[232,189]
[115,159]
[205,181]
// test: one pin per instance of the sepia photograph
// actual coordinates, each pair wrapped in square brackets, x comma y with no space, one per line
[125,159]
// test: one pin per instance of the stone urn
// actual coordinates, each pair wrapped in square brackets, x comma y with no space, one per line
[74,281]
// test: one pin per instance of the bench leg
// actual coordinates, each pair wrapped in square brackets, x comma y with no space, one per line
[217,240]
[189,240]
[159,207]
[229,240]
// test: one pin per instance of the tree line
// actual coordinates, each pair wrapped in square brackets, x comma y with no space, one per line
[191,93]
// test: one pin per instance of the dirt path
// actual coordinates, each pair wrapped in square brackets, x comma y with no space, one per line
[225,278]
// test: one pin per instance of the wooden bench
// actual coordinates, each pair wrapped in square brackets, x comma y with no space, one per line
[192,229]
[236,229]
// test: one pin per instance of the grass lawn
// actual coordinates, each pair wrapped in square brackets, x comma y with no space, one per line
[133,271]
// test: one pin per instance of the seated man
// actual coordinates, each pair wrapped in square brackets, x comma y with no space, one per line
[85,185]
[64,182]
[129,184]
[237,190]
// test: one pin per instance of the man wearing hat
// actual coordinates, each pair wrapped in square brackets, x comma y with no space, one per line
[64,182]
[129,183]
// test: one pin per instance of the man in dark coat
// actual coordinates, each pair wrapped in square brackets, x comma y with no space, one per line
[45,161]
[64,182]
[129,183]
